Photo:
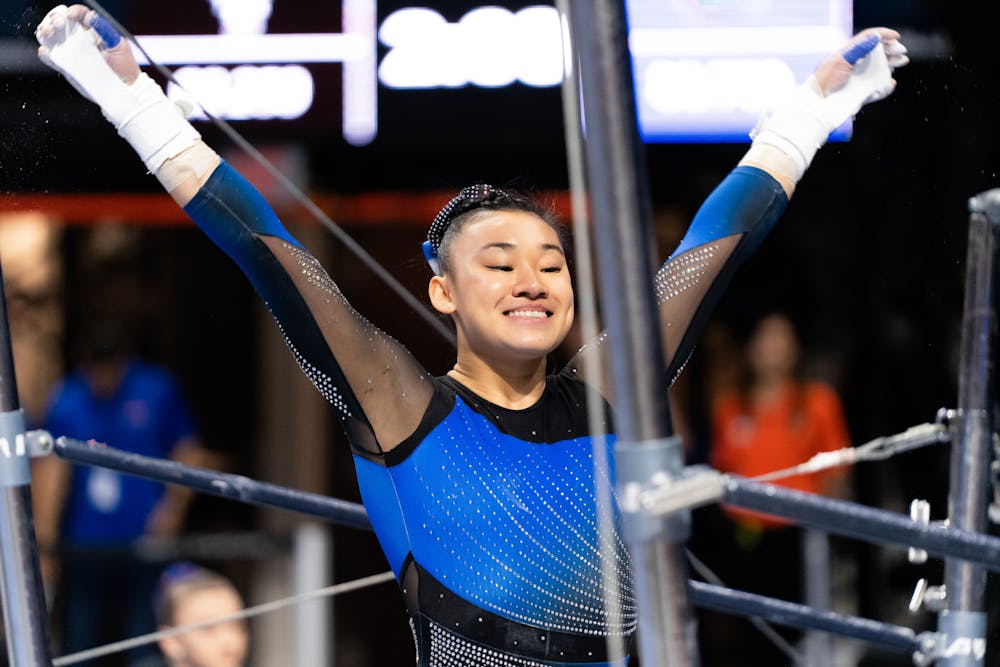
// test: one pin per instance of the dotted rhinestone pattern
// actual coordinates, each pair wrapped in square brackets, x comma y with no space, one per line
[451,650]
[313,271]
[323,382]
[316,276]
[467,196]
[683,272]
[511,526]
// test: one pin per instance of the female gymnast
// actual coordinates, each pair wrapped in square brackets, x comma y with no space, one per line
[480,484]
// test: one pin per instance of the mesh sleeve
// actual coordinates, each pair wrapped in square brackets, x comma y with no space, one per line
[726,230]
[378,390]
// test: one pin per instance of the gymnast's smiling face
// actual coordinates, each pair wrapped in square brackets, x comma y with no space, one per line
[507,287]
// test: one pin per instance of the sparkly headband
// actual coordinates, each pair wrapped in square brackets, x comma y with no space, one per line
[467,199]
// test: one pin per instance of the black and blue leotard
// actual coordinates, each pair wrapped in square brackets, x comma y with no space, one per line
[486,515]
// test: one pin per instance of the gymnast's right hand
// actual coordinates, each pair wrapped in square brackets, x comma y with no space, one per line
[89,52]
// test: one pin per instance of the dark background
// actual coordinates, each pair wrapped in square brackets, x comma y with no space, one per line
[869,256]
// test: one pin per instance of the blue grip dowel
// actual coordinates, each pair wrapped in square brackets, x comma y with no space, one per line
[107,32]
[861,49]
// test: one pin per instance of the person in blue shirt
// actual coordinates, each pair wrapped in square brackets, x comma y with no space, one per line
[481,483]
[88,518]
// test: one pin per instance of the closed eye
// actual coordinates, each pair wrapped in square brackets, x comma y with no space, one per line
[552,269]
[500,267]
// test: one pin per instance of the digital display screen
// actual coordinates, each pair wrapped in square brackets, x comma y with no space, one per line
[269,60]
[706,69]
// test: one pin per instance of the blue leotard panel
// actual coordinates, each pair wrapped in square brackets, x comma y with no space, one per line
[497,509]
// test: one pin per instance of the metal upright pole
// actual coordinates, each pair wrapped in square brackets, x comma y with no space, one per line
[816,587]
[963,622]
[24,611]
[645,450]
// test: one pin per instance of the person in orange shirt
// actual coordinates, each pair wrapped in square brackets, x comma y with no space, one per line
[773,419]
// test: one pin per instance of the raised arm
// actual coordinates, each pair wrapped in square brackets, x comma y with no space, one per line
[376,387]
[742,209]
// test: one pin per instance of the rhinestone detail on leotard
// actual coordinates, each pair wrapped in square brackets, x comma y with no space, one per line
[683,272]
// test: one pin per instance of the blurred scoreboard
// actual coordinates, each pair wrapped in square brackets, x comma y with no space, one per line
[704,69]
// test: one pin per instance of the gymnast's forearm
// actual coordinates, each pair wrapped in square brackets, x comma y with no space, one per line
[99,64]
[741,211]
[189,171]
[338,349]
[358,369]
[728,227]
[788,136]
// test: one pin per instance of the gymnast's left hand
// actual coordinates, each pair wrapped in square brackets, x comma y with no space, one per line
[857,73]
[860,71]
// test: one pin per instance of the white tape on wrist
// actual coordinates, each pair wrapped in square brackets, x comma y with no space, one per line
[140,111]
[155,129]
[773,160]
[802,124]
[796,128]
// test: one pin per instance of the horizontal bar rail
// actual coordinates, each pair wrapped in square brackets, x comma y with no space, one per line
[849,519]
[226,485]
[709,596]
[782,612]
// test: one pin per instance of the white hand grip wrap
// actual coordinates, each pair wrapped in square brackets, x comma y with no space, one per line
[155,128]
[804,121]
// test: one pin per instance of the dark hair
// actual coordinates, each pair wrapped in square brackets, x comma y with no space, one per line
[468,206]
[747,378]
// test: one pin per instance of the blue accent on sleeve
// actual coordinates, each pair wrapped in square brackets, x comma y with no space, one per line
[748,202]
[227,208]
[861,49]
[236,218]
[736,206]
[106,31]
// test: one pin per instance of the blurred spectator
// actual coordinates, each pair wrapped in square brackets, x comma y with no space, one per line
[188,594]
[773,419]
[87,518]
